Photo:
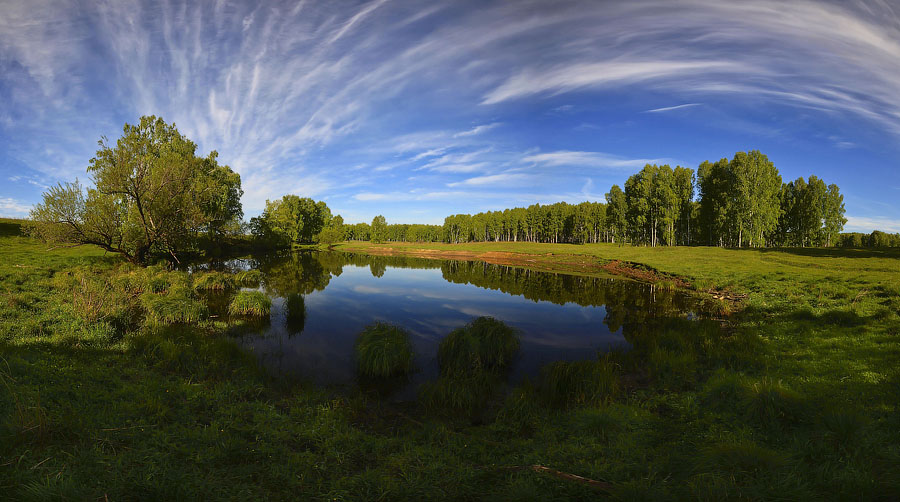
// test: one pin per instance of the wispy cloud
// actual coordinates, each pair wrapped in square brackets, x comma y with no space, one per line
[297,95]
[671,108]
[565,158]
[476,130]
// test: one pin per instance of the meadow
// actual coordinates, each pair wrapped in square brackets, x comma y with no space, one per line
[117,384]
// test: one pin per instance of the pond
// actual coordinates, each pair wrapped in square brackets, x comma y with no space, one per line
[322,300]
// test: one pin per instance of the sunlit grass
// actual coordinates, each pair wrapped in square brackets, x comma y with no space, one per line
[250,303]
[213,281]
[249,278]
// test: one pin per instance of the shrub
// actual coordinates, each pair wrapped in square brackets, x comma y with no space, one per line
[483,344]
[579,383]
[213,281]
[383,350]
[250,303]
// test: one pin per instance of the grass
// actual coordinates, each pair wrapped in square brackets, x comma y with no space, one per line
[485,344]
[249,278]
[213,281]
[383,350]
[250,303]
[579,383]
[795,398]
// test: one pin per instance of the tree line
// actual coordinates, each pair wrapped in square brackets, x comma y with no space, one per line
[153,196]
[742,202]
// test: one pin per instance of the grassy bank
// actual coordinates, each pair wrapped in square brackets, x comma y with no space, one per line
[795,399]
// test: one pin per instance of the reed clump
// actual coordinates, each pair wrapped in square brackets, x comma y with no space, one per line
[248,278]
[250,303]
[383,350]
[172,308]
[213,281]
[485,344]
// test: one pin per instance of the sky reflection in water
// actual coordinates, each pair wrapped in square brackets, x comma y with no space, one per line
[559,317]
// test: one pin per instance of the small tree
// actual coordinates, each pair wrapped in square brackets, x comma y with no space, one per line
[379,229]
[152,195]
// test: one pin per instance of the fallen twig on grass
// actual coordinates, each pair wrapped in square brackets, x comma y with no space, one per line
[598,485]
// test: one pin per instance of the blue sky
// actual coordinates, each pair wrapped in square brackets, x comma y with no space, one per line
[417,110]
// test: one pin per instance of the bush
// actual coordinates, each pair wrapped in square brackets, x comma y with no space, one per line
[483,344]
[250,303]
[383,350]
[578,383]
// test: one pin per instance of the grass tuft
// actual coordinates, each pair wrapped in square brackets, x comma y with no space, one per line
[771,404]
[250,303]
[383,350]
[249,278]
[485,344]
[172,308]
[213,281]
[567,384]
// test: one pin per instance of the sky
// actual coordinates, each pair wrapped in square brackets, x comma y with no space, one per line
[418,110]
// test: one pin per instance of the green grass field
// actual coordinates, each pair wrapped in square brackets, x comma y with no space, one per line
[796,399]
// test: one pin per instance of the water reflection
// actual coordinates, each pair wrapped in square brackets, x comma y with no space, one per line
[322,300]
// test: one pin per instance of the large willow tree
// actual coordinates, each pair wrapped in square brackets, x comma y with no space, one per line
[152,195]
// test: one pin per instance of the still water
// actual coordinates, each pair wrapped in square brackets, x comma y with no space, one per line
[322,300]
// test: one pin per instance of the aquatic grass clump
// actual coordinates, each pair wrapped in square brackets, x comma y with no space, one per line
[250,303]
[383,350]
[249,278]
[567,384]
[172,308]
[213,281]
[482,345]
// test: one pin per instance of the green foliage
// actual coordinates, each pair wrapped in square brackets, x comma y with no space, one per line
[379,229]
[250,303]
[290,221]
[579,383]
[485,344]
[152,195]
[383,350]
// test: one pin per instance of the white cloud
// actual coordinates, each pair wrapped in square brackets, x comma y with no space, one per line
[477,130]
[565,158]
[494,179]
[581,75]
[12,208]
[866,224]
[671,108]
